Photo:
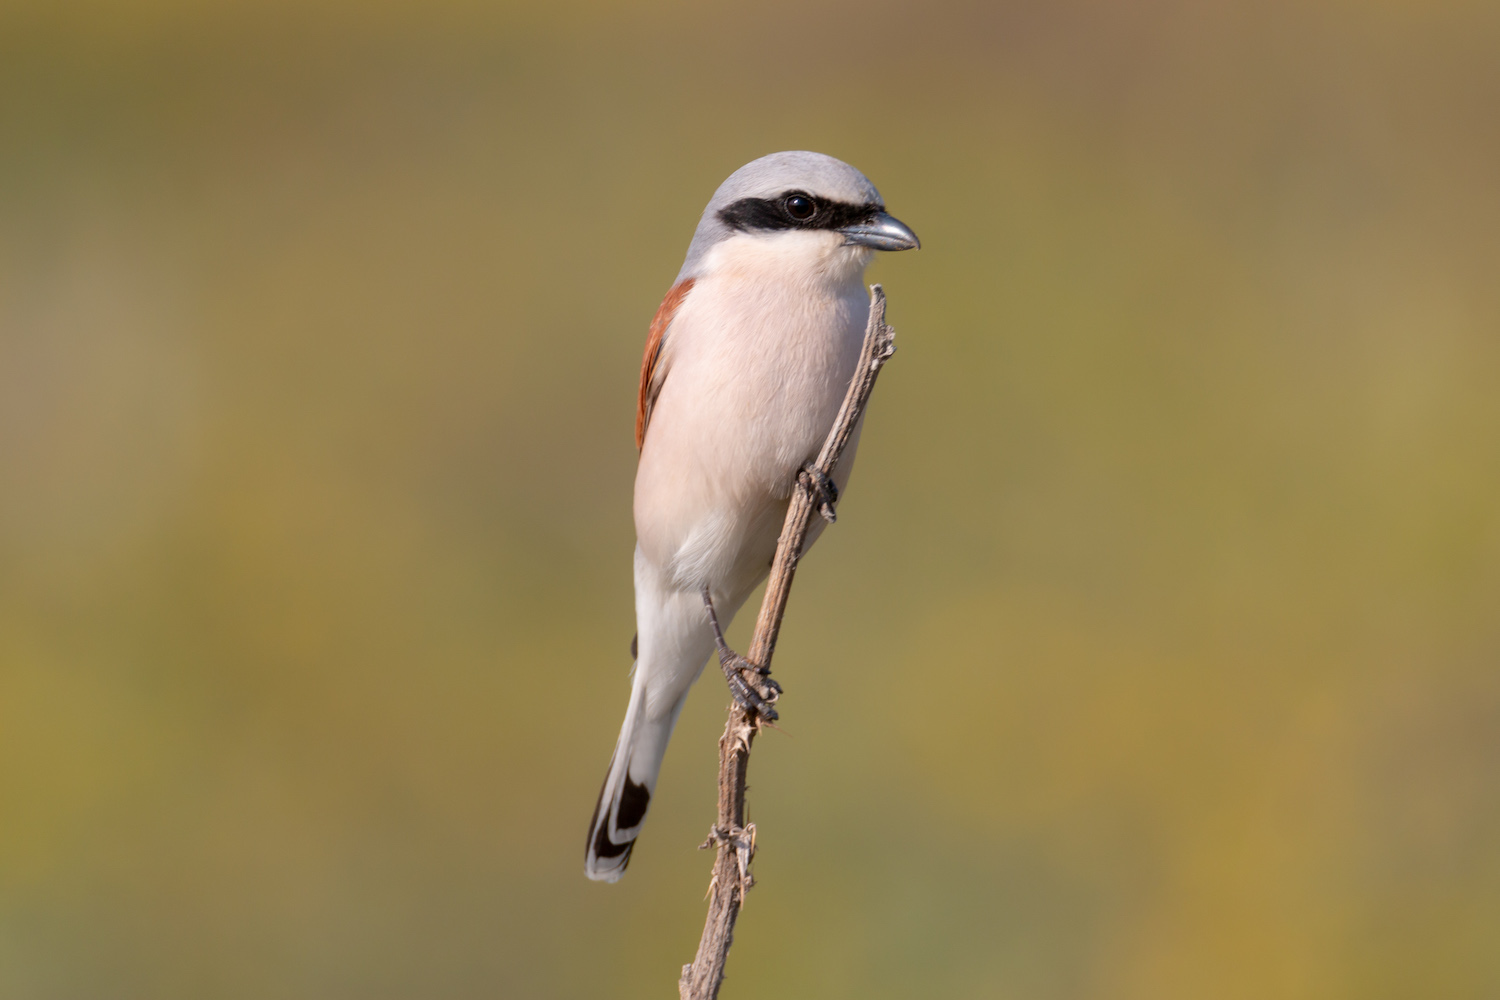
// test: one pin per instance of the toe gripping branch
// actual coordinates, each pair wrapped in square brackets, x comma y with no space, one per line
[824,493]
[751,685]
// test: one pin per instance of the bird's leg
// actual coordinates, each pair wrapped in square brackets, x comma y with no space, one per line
[824,493]
[745,678]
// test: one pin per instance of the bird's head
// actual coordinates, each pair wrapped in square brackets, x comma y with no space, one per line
[803,206]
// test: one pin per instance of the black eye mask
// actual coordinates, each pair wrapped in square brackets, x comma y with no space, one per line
[791,211]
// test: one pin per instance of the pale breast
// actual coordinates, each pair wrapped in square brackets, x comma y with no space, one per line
[759,363]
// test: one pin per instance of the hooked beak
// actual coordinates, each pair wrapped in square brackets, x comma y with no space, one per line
[884,232]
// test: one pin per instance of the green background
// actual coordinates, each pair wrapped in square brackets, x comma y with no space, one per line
[1154,654]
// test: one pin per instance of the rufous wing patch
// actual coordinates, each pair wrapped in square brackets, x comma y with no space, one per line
[652,374]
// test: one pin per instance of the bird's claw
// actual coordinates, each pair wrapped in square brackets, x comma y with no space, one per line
[824,493]
[753,697]
[749,683]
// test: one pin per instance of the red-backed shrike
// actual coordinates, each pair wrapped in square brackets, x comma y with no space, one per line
[746,364]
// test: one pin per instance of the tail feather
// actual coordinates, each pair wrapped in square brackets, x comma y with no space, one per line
[626,794]
[674,643]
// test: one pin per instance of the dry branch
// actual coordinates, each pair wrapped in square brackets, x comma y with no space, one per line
[735,841]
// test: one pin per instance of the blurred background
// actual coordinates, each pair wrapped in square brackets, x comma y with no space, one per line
[1154,654]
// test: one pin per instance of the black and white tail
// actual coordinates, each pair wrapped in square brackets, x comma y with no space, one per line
[674,644]
[626,794]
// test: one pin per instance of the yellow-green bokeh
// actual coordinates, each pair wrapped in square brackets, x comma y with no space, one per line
[1154,654]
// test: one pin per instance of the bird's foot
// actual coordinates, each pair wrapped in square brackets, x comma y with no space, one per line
[749,683]
[824,493]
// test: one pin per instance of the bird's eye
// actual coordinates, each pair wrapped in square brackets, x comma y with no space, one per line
[800,207]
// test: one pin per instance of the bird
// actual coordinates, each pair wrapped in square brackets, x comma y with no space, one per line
[746,363]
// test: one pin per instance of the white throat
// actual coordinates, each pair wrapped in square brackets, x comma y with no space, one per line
[816,260]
